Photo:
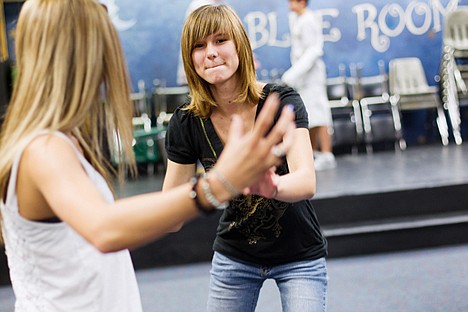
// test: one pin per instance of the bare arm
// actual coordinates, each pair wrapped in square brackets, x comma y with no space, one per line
[52,167]
[299,183]
[177,174]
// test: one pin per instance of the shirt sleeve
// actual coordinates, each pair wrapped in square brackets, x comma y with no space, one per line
[289,96]
[179,138]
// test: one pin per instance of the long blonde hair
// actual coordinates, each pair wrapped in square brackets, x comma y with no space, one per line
[205,21]
[71,77]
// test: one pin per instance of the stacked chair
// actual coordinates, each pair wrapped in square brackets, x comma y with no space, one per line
[346,113]
[166,100]
[454,67]
[410,91]
[367,110]
[380,116]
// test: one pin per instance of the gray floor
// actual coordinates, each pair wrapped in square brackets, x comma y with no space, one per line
[422,280]
[425,280]
[432,280]
[417,167]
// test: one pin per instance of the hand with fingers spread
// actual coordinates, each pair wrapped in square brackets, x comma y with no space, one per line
[267,186]
[248,156]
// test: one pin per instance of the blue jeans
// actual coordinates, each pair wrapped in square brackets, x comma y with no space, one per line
[235,286]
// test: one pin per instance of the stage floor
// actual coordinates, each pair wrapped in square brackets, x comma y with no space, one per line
[384,171]
[417,167]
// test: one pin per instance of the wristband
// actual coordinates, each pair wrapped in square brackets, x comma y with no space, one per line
[211,198]
[194,195]
[228,185]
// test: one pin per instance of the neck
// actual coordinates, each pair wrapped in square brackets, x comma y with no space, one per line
[301,10]
[225,96]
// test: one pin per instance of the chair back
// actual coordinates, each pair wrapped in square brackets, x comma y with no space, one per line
[337,88]
[407,76]
[373,86]
[368,86]
[167,99]
[456,29]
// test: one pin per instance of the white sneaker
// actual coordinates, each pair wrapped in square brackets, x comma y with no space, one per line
[324,161]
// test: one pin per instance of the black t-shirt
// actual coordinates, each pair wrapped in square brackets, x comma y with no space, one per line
[252,229]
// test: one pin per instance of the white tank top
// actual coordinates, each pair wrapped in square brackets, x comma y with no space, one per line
[52,268]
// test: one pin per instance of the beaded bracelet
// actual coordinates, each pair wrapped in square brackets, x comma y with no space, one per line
[211,198]
[193,195]
[228,185]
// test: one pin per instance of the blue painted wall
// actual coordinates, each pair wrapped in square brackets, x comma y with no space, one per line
[354,31]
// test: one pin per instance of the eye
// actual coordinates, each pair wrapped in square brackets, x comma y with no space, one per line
[222,39]
[198,45]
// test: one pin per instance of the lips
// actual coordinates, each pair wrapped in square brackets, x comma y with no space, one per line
[213,66]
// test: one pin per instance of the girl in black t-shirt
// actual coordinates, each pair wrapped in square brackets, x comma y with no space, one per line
[269,230]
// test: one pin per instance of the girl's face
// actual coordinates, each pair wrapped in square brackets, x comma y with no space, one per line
[215,58]
[296,5]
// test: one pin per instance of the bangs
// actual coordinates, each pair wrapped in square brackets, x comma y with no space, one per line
[219,23]
[217,20]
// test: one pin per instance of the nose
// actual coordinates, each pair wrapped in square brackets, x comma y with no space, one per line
[211,51]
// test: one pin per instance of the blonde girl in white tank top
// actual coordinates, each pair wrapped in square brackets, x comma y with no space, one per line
[66,237]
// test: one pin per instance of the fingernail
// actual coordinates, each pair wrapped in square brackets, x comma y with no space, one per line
[291,107]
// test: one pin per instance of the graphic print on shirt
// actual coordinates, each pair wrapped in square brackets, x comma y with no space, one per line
[255,217]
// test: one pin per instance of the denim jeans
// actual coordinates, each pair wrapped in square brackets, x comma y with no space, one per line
[235,286]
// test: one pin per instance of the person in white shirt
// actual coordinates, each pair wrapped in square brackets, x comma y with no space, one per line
[308,76]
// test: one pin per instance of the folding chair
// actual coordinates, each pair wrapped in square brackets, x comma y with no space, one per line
[346,114]
[410,91]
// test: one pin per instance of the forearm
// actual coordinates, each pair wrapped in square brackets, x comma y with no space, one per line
[138,220]
[135,221]
[300,182]
[296,186]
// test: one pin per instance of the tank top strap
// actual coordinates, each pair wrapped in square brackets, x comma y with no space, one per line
[82,159]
